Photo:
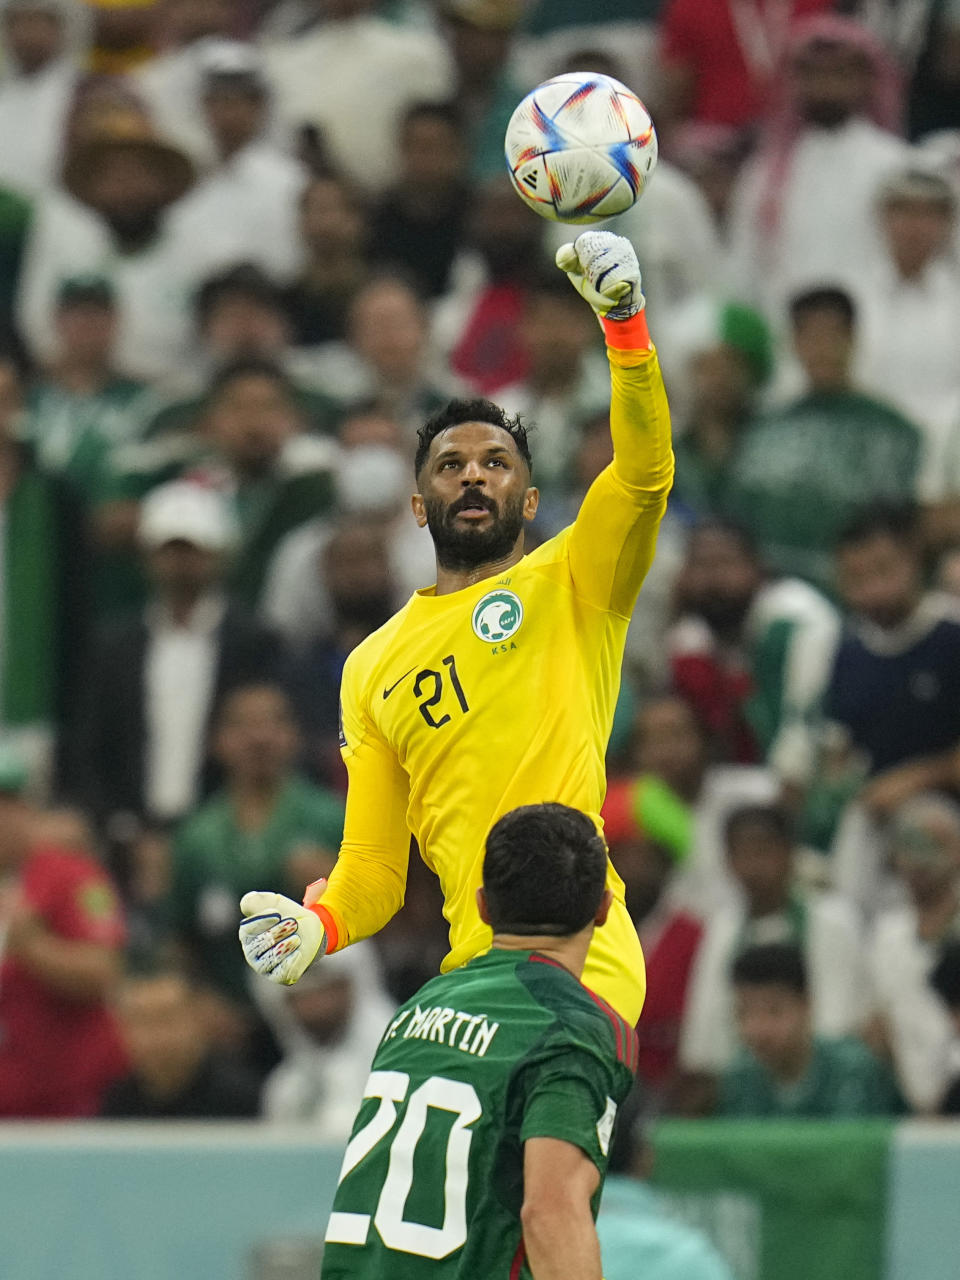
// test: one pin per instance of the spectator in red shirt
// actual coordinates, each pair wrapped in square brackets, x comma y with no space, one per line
[649,830]
[61,937]
[720,56]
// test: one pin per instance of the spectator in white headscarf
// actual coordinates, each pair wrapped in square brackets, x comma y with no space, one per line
[328,1027]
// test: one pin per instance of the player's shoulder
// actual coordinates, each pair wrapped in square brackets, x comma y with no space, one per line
[580,1019]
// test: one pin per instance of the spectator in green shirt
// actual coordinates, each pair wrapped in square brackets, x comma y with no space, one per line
[81,407]
[267,824]
[802,471]
[784,1070]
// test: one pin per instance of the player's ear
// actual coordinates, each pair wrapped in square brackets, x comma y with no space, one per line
[531,501]
[482,906]
[419,509]
[606,902]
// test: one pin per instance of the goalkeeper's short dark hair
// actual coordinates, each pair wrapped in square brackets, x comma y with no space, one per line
[456,412]
[545,871]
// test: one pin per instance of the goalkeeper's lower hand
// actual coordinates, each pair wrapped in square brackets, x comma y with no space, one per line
[603,268]
[280,938]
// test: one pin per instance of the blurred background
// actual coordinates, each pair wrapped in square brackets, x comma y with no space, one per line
[245,247]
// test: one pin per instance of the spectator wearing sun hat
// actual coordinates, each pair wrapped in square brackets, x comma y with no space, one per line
[154,682]
[649,830]
[123,217]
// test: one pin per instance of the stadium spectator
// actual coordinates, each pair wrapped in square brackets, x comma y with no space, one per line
[334,243]
[251,444]
[719,65]
[126,221]
[387,356]
[785,1068]
[725,355]
[372,484]
[638,1236]
[762,858]
[480,35]
[803,209]
[893,689]
[37,92]
[566,384]
[174,1072]
[555,35]
[153,682]
[752,655]
[803,470]
[81,407]
[711,155]
[476,325]
[328,1027]
[945,980]
[171,84]
[917,279]
[670,742]
[352,570]
[648,830]
[62,955]
[252,191]
[266,820]
[417,225]
[912,1023]
[323,78]
[44,568]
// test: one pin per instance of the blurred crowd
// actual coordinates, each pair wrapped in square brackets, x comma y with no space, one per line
[245,247]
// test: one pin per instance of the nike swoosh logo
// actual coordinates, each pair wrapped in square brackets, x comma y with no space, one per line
[387,692]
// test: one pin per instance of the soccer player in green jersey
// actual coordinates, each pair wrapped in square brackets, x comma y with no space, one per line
[480,1148]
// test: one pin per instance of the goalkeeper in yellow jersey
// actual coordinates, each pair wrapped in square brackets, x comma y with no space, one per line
[496,687]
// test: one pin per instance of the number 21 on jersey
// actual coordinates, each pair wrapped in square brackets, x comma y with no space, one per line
[436,1093]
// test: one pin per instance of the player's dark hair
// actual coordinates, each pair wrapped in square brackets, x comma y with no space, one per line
[898,521]
[824,298]
[544,871]
[773,818]
[455,413]
[945,978]
[775,964]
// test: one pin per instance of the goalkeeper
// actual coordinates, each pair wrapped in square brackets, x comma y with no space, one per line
[496,687]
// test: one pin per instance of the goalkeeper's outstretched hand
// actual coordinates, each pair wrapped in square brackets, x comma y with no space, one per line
[604,269]
[280,938]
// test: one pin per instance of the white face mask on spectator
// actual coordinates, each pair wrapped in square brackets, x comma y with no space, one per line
[372,480]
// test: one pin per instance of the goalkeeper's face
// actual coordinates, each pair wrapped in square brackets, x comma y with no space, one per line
[475,495]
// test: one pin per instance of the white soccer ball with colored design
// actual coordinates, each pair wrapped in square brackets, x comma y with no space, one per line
[580,148]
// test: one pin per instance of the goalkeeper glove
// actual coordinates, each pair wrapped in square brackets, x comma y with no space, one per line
[603,268]
[280,938]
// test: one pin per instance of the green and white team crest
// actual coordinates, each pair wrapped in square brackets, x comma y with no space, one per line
[497,616]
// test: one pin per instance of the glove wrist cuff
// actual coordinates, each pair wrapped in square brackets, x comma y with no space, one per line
[331,933]
[629,334]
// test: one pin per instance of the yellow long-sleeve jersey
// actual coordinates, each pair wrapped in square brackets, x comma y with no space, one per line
[466,705]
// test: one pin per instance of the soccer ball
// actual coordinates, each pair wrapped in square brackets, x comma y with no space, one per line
[580,148]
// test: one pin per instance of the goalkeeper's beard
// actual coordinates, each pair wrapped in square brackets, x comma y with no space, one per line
[461,547]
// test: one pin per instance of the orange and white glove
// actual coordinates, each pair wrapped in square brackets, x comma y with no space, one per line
[281,938]
[603,268]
